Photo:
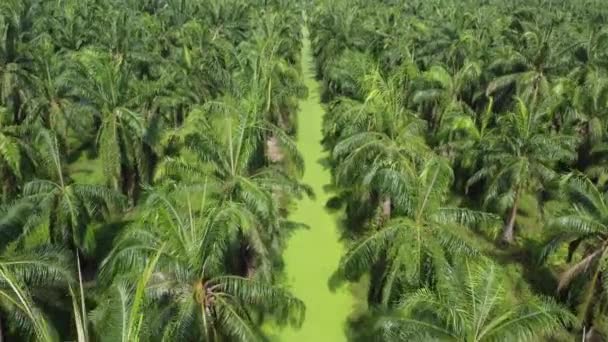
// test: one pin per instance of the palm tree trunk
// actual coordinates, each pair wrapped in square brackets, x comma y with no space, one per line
[508,231]
[8,186]
[386,208]
[273,150]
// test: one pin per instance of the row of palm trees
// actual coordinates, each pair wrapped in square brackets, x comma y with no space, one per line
[187,110]
[452,124]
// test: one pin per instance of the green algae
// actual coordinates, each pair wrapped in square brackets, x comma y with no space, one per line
[313,254]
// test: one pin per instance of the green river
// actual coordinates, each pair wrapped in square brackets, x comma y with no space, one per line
[313,254]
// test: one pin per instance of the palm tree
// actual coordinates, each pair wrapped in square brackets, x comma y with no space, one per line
[16,18]
[190,288]
[108,85]
[381,107]
[583,228]
[473,302]
[335,30]
[120,310]
[377,143]
[67,208]
[15,155]
[27,278]
[468,136]
[375,164]
[521,159]
[528,64]
[443,93]
[50,102]
[31,276]
[224,138]
[267,72]
[411,249]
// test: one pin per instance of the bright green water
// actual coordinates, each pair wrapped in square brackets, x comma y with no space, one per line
[312,255]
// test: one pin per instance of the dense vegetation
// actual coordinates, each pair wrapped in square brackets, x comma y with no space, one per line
[468,143]
[147,165]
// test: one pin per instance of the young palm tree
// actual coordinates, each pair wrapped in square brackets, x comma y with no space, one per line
[473,303]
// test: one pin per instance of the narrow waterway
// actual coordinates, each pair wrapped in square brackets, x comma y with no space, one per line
[312,255]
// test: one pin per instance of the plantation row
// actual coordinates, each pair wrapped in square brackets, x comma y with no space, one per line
[147,165]
[468,143]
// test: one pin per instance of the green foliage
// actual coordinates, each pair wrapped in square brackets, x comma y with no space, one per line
[472,303]
[176,103]
[510,96]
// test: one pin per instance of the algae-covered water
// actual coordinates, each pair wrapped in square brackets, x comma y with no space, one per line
[312,255]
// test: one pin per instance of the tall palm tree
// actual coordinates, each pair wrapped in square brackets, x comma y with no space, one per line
[444,92]
[375,164]
[107,84]
[15,154]
[222,141]
[583,228]
[194,295]
[521,159]
[472,302]
[411,249]
[66,207]
[528,63]
[32,274]
[16,18]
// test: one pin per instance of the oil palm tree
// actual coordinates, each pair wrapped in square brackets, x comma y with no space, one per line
[228,153]
[270,74]
[32,275]
[194,295]
[442,93]
[27,279]
[107,85]
[582,227]
[16,154]
[382,108]
[16,18]
[66,207]
[120,309]
[334,31]
[375,164]
[528,64]
[473,302]
[521,159]
[50,102]
[410,250]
